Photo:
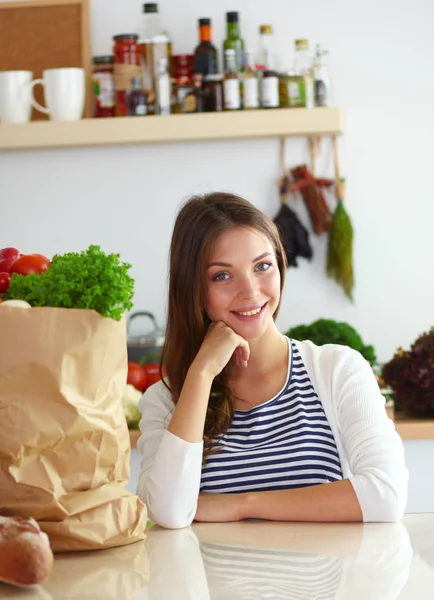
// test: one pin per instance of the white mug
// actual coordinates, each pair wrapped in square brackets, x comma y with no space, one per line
[15,96]
[64,92]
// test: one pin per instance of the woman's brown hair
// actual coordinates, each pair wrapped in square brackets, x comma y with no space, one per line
[199,223]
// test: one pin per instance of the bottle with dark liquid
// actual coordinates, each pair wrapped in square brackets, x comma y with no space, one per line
[137,103]
[205,55]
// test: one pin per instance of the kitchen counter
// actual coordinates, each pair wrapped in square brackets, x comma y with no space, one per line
[253,560]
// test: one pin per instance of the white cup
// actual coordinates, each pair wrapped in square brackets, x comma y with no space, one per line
[64,92]
[15,96]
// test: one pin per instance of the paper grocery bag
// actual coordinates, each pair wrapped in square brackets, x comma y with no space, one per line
[64,442]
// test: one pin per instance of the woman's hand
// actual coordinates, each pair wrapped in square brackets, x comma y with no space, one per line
[220,508]
[220,344]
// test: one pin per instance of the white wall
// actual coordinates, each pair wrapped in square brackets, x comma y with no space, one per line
[125,198]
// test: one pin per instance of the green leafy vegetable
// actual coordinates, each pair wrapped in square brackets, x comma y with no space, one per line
[328,331]
[410,373]
[90,279]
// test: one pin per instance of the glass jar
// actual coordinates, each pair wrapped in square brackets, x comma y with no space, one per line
[291,90]
[181,87]
[214,93]
[182,65]
[126,68]
[103,86]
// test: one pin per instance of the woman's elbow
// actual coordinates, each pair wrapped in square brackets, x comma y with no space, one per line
[393,508]
[170,521]
[169,517]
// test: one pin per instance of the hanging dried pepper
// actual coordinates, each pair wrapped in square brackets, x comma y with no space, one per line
[313,196]
[340,245]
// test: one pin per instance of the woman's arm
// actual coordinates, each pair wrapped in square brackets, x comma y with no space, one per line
[170,467]
[377,488]
[329,502]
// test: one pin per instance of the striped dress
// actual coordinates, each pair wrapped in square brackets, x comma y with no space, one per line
[282,444]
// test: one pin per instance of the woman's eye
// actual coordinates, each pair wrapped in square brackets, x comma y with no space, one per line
[220,277]
[264,266]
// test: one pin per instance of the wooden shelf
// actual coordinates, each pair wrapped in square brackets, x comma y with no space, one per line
[172,128]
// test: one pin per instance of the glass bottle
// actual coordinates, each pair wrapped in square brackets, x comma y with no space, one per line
[214,93]
[250,82]
[137,104]
[164,91]
[154,44]
[233,40]
[303,65]
[321,78]
[205,54]
[195,101]
[231,82]
[266,55]
[269,89]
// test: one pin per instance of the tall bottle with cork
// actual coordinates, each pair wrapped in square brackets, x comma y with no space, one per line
[321,78]
[154,44]
[233,40]
[303,66]
[250,87]
[205,54]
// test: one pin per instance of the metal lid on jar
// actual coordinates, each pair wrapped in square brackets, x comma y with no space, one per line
[266,29]
[126,37]
[103,60]
[302,44]
[206,21]
[150,7]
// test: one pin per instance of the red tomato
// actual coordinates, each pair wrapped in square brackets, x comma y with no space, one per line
[137,377]
[153,372]
[9,253]
[6,264]
[4,282]
[30,263]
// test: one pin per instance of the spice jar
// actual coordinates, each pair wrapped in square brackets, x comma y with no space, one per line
[182,65]
[126,67]
[214,93]
[291,90]
[182,80]
[103,86]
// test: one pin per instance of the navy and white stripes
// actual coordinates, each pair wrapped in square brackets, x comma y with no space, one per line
[247,573]
[281,444]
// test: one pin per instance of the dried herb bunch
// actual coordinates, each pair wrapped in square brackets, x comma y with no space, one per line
[411,376]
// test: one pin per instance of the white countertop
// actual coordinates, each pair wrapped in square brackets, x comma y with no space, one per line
[254,560]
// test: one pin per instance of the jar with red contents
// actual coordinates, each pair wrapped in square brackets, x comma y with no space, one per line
[182,67]
[126,67]
[103,86]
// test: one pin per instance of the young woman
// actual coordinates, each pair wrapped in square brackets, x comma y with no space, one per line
[248,423]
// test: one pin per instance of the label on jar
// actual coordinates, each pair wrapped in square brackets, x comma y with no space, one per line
[103,85]
[270,92]
[231,93]
[123,75]
[251,92]
[140,110]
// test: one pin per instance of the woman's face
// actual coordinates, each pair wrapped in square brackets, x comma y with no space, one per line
[242,286]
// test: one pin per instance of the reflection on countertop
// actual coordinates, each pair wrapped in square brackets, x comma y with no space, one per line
[254,560]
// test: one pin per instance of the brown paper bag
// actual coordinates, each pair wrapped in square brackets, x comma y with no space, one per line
[64,442]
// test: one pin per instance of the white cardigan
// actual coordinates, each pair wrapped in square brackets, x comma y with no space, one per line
[370,449]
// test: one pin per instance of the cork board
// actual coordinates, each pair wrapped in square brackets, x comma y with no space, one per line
[46,34]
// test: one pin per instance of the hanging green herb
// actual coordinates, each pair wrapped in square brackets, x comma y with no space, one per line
[340,241]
